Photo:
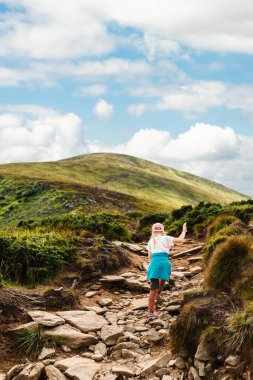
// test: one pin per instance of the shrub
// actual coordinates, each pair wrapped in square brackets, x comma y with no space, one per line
[148,220]
[226,262]
[1,281]
[240,330]
[186,330]
[219,223]
[236,228]
[30,342]
[32,257]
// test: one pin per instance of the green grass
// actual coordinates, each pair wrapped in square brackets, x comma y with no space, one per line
[153,187]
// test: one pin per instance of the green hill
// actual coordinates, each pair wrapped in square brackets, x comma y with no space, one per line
[102,181]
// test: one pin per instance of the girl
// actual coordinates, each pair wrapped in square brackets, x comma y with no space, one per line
[160,267]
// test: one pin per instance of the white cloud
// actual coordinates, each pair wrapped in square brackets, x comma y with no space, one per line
[136,109]
[207,150]
[103,110]
[47,30]
[93,90]
[35,133]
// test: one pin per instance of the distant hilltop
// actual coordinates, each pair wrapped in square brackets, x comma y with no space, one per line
[147,186]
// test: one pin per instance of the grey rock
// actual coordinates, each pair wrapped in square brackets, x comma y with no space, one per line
[70,336]
[91,293]
[46,352]
[203,352]
[53,373]
[105,302]
[194,372]
[85,321]
[123,370]
[64,364]
[154,336]
[98,310]
[30,372]
[111,333]
[139,303]
[46,319]
[84,371]
[180,363]
[233,360]
[101,347]
[196,270]
[15,370]
[129,354]
[126,345]
[150,366]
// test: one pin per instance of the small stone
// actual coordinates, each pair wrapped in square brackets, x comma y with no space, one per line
[66,348]
[31,372]
[91,294]
[53,373]
[98,310]
[196,270]
[172,362]
[2,375]
[15,370]
[122,370]
[105,301]
[101,347]
[129,354]
[126,345]
[167,377]
[180,363]
[233,360]
[194,373]
[203,352]
[46,352]
[111,333]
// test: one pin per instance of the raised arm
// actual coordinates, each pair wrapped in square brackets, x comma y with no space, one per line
[181,237]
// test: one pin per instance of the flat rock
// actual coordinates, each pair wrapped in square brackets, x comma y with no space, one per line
[105,302]
[133,247]
[149,367]
[128,274]
[27,326]
[91,294]
[196,270]
[64,364]
[135,284]
[126,345]
[85,321]
[139,303]
[15,370]
[111,333]
[70,336]
[53,373]
[155,336]
[123,371]
[31,371]
[84,371]
[46,319]
[46,352]
[194,259]
[2,376]
[112,279]
[233,360]
[98,310]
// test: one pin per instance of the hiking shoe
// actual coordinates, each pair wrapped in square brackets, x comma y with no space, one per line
[151,315]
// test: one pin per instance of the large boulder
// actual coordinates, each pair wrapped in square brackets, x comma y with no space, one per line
[70,336]
[46,319]
[83,320]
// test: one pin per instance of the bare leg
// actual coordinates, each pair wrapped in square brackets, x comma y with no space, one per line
[151,301]
[161,285]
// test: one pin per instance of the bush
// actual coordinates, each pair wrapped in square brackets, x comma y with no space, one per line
[32,257]
[148,220]
[30,342]
[219,223]
[186,330]
[226,263]
[1,281]
[106,224]
[240,330]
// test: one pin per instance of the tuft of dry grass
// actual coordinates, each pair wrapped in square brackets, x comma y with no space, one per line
[226,263]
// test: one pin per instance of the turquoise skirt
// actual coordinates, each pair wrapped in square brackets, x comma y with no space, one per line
[159,267]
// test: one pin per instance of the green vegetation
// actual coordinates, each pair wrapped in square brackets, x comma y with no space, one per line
[31,257]
[29,342]
[140,185]
[226,263]
[109,225]
[240,329]
[185,332]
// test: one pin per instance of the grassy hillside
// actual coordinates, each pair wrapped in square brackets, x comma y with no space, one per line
[153,186]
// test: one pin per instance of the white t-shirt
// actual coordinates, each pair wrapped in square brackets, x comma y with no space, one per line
[160,244]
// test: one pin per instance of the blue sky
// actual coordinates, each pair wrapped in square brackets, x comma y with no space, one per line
[170,82]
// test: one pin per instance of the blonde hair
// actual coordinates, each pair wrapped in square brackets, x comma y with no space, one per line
[154,235]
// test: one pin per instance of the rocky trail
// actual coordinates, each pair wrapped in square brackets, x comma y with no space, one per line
[109,336]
